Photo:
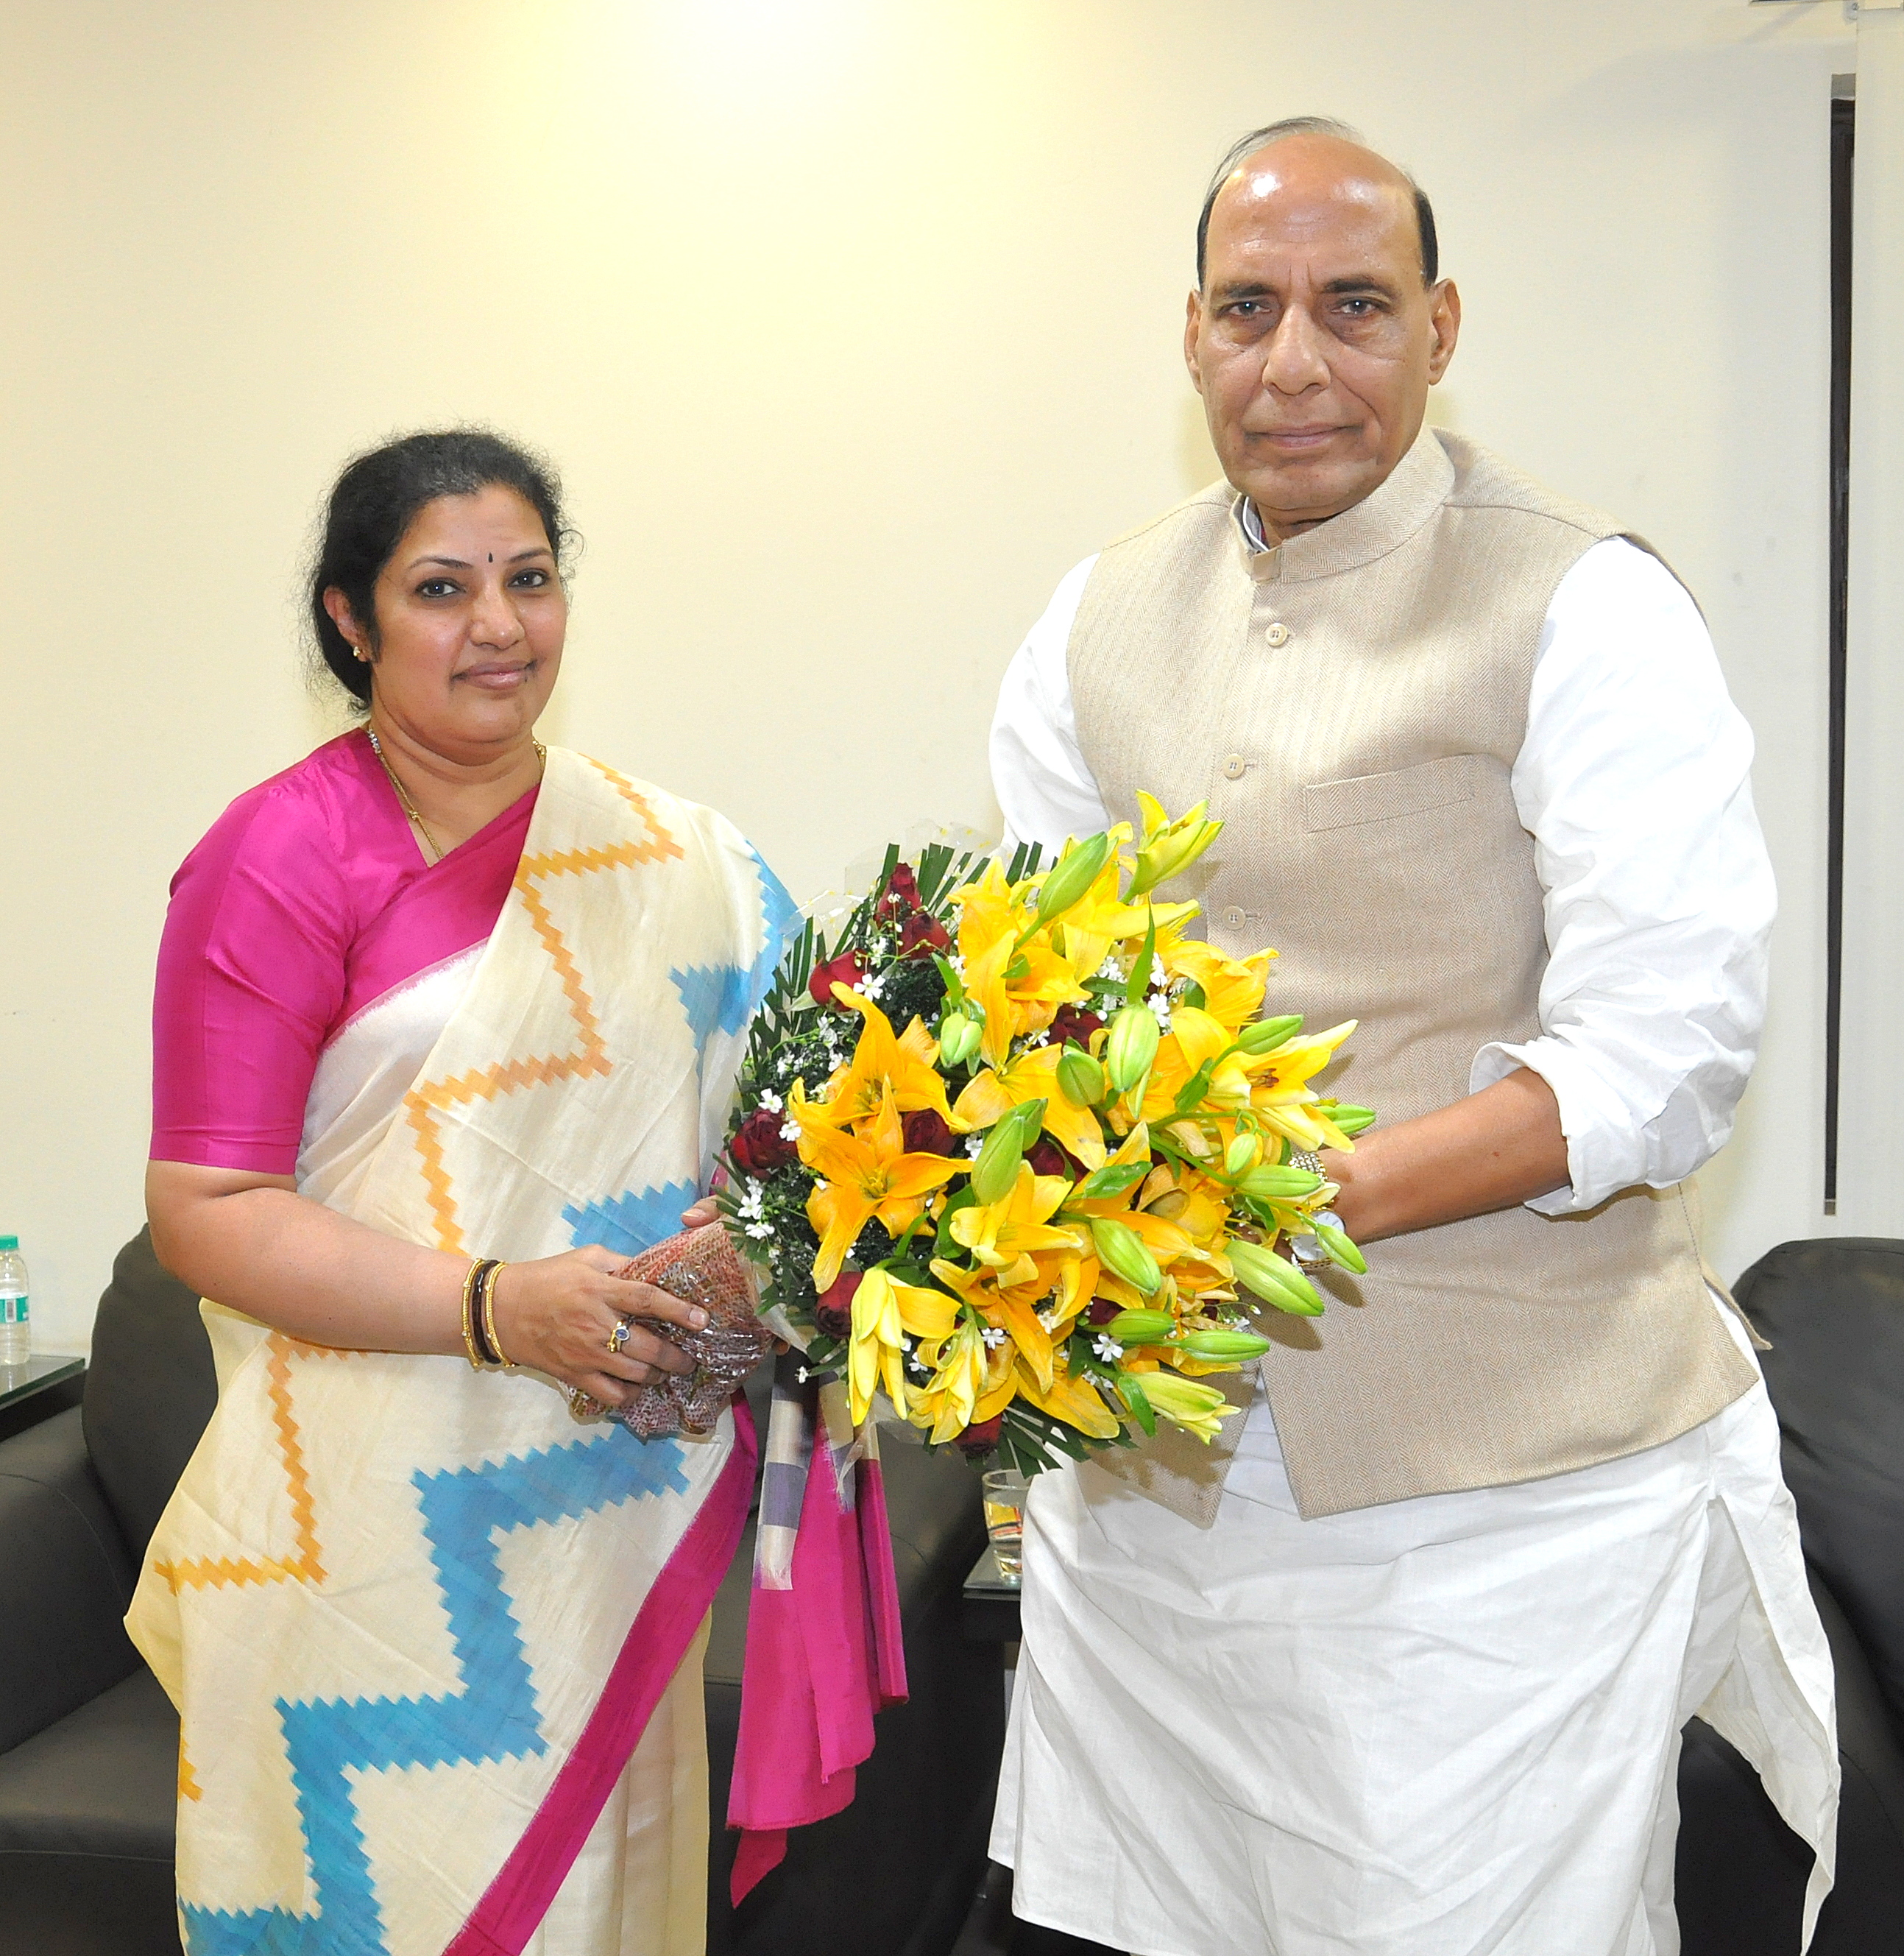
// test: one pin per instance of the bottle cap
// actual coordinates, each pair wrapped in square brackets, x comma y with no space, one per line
[8,1243]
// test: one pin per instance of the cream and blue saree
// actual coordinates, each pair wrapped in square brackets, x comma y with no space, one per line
[436,1648]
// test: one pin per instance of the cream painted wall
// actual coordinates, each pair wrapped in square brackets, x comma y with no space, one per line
[853,326]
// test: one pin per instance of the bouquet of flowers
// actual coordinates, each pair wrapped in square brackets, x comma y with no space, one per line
[1015,1149]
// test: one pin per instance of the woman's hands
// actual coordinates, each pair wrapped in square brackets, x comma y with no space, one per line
[555,1315]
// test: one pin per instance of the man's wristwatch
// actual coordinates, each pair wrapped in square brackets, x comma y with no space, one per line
[1304,1245]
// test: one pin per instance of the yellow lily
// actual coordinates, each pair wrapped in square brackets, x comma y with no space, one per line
[884,1310]
[993,943]
[946,1405]
[1168,848]
[1285,1101]
[1074,1401]
[905,1064]
[1032,1075]
[1102,918]
[1233,988]
[1006,1236]
[865,1175]
[1014,1310]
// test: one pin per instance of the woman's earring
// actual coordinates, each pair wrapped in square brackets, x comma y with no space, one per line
[361,654]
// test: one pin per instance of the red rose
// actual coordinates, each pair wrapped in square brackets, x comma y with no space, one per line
[1072,1026]
[900,896]
[758,1148]
[1101,1310]
[921,934]
[1047,1158]
[976,1440]
[926,1132]
[833,1313]
[845,969]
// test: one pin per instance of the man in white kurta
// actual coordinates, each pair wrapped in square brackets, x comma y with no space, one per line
[1446,1724]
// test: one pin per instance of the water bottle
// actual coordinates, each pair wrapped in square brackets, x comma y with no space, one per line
[16,1337]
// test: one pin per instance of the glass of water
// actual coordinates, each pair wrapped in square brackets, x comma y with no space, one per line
[1004,1498]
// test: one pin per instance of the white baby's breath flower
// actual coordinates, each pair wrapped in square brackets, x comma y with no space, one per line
[1107,1348]
[973,1143]
[1111,968]
[772,1101]
[789,1131]
[994,1337]
[1160,1011]
[760,1231]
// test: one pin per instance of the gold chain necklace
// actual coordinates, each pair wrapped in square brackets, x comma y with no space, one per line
[410,807]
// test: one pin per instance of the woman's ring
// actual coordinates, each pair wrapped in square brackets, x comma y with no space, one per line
[619,1337]
[582,1407]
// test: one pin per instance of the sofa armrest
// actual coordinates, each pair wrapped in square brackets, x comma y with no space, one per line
[65,1580]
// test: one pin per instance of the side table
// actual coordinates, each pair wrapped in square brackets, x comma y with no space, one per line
[48,1383]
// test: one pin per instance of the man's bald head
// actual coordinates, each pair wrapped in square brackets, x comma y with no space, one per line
[1318,323]
[1245,148]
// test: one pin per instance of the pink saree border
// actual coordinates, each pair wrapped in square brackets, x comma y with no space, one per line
[513,1905]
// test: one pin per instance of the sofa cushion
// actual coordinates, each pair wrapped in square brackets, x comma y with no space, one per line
[104,1781]
[149,1388]
[1834,1311]
[85,1829]
[65,1580]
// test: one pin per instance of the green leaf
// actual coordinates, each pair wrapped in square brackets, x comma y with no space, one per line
[1191,1097]
[1138,1400]
[1112,1179]
[1137,987]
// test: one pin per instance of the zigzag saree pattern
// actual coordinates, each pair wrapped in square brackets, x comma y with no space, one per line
[494,1717]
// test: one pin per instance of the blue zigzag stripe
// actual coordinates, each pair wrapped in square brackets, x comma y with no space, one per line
[629,1222]
[728,996]
[465,1511]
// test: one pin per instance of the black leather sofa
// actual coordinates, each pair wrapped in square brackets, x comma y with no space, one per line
[89,1743]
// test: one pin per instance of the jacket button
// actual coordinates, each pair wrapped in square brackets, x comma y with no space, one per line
[1277,634]
[1236,767]
[1236,917]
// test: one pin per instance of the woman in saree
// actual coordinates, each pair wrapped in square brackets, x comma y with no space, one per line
[446,1028]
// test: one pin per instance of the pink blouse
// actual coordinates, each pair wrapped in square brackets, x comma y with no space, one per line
[308,900]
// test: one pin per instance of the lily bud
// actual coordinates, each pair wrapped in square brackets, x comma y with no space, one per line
[1219,1347]
[1242,1155]
[1274,1280]
[1198,1408]
[1124,1252]
[1265,1035]
[1141,1327]
[1077,869]
[1080,1078]
[1350,1120]
[1131,1046]
[959,1038]
[1271,1182]
[1168,848]
[996,1169]
[1341,1250]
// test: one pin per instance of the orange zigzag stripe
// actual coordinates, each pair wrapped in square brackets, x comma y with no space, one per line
[589,1056]
[307,1565]
[189,1786]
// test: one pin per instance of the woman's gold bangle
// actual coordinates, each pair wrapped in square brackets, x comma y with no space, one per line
[489,1317]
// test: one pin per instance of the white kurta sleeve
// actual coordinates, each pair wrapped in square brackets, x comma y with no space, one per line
[1045,792]
[1634,780]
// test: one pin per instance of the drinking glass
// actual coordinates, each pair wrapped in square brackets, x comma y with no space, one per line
[1004,1499]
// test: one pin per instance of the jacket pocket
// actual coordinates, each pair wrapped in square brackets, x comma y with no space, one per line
[1367,798]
